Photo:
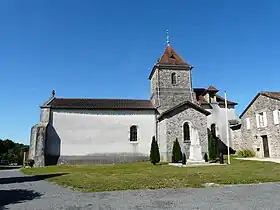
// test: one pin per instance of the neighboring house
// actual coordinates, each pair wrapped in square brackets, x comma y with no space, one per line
[87,131]
[259,129]
[210,100]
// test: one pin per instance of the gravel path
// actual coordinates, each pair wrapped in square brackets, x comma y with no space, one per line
[26,193]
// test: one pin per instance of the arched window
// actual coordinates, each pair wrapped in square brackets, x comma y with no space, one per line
[173,79]
[213,129]
[186,130]
[133,133]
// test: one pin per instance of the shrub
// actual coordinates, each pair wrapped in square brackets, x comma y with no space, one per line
[184,160]
[154,153]
[176,152]
[205,157]
[213,151]
[246,153]
[30,163]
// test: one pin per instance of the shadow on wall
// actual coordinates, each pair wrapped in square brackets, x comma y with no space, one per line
[10,180]
[222,147]
[53,145]
[16,196]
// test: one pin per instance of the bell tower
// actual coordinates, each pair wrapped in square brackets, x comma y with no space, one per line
[171,81]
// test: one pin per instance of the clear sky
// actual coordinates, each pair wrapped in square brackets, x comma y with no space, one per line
[106,49]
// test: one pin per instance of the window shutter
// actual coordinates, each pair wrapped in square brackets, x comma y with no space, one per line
[248,123]
[276,117]
[264,119]
[257,120]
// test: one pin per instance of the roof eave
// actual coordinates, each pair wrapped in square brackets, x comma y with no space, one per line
[46,104]
[194,106]
[241,115]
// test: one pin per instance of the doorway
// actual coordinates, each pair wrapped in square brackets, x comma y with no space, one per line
[265,146]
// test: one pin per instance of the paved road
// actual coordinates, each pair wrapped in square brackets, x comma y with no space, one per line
[26,192]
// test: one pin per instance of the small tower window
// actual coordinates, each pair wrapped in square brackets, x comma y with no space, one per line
[133,133]
[173,79]
[186,130]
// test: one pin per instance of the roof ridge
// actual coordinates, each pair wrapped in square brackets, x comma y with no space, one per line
[105,99]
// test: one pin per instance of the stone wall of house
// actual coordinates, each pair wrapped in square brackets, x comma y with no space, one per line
[237,140]
[174,129]
[251,138]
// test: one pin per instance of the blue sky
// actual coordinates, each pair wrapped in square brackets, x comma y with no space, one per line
[106,49]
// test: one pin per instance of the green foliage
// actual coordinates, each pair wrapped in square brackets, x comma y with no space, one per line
[205,157]
[154,153]
[184,160]
[176,152]
[212,147]
[11,151]
[246,153]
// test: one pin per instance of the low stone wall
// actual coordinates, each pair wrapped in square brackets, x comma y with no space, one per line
[97,159]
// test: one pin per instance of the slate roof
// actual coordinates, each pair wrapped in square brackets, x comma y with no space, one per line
[273,95]
[86,103]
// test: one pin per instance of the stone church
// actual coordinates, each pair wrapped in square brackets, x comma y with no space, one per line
[93,131]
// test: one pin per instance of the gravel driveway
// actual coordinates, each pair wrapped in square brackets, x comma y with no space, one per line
[26,193]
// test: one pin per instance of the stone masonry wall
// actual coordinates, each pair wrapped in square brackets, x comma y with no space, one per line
[174,130]
[251,138]
[167,95]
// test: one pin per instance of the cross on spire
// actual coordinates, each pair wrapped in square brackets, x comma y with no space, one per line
[167,38]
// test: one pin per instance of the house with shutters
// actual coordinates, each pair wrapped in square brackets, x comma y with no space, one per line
[90,130]
[259,129]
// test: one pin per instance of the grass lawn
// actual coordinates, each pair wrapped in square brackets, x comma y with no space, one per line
[146,176]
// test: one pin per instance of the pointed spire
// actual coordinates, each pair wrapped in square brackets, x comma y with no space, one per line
[167,38]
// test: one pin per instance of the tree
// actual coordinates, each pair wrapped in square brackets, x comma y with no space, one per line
[176,152]
[212,147]
[11,151]
[184,160]
[154,153]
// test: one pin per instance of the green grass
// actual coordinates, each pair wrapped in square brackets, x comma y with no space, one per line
[146,176]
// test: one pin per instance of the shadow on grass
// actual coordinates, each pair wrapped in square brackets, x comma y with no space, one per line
[9,167]
[16,196]
[9,180]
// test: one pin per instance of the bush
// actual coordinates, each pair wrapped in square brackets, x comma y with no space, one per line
[213,150]
[30,163]
[176,152]
[246,153]
[205,157]
[154,153]
[184,160]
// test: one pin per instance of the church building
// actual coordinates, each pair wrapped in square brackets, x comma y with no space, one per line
[98,131]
